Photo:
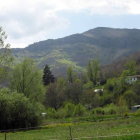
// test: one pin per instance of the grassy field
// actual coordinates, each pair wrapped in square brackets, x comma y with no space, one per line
[118,129]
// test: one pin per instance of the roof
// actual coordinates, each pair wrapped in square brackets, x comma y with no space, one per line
[98,90]
[134,76]
[136,106]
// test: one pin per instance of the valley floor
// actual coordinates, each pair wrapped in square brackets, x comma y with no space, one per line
[108,129]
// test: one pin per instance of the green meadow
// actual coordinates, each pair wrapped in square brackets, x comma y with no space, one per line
[108,129]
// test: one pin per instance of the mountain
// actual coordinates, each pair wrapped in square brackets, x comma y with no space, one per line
[105,44]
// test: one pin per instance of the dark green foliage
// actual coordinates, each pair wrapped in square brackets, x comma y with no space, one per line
[55,96]
[100,111]
[16,110]
[74,91]
[48,77]
[130,98]
[51,99]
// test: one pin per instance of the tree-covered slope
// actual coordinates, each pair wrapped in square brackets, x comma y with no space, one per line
[105,44]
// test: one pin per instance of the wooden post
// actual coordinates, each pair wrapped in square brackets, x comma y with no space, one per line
[5,136]
[70,133]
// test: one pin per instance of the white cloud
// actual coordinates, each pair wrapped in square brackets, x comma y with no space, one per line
[32,20]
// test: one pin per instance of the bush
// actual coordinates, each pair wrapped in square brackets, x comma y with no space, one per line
[92,112]
[110,109]
[61,113]
[136,114]
[79,110]
[69,108]
[51,113]
[16,110]
[126,114]
[99,111]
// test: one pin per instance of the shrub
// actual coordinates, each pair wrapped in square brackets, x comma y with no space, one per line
[79,110]
[99,111]
[126,114]
[61,113]
[69,108]
[16,110]
[92,112]
[136,114]
[51,113]
[110,109]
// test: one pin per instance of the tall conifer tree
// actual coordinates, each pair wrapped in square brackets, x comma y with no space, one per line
[48,77]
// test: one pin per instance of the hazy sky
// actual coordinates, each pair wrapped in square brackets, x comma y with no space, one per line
[29,21]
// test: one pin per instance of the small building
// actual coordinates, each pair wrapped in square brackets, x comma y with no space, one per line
[98,90]
[131,79]
[134,108]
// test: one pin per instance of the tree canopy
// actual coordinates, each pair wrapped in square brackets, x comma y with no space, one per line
[93,70]
[5,54]
[26,78]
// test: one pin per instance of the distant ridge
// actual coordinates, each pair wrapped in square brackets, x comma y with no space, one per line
[103,43]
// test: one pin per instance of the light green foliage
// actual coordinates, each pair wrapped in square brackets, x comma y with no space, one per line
[130,97]
[131,70]
[51,113]
[78,81]
[93,70]
[125,73]
[110,84]
[110,129]
[79,110]
[60,82]
[65,62]
[96,68]
[17,111]
[99,111]
[88,85]
[90,71]
[61,113]
[131,66]
[136,89]
[6,58]
[70,74]
[69,107]
[92,112]
[27,79]
[110,109]
[122,106]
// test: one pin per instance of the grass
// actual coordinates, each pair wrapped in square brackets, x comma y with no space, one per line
[121,129]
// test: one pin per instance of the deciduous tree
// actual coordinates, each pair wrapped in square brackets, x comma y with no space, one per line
[93,70]
[5,55]
[70,74]
[26,78]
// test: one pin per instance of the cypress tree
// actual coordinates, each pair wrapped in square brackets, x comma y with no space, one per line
[48,77]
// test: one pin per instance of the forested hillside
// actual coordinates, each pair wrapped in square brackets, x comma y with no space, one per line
[105,44]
